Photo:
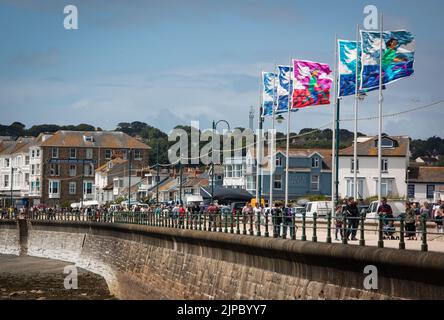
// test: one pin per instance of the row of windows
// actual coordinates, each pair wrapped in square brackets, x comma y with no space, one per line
[384,165]
[315,162]
[386,188]
[89,153]
[234,170]
[314,182]
[54,187]
[18,180]
[88,170]
[17,162]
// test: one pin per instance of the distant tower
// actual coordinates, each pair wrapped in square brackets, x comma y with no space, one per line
[251,116]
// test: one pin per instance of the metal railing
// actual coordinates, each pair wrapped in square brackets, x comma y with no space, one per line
[346,229]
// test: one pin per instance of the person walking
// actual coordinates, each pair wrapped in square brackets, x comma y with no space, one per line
[410,220]
[339,220]
[439,213]
[277,216]
[247,214]
[353,218]
[423,216]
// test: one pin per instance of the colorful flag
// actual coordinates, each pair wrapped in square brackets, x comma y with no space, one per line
[347,67]
[312,84]
[284,86]
[398,55]
[268,92]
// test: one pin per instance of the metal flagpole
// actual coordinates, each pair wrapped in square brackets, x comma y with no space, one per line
[355,143]
[287,159]
[258,140]
[333,148]
[380,115]
[272,155]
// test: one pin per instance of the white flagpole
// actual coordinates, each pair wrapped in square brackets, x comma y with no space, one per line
[333,148]
[272,155]
[258,143]
[380,115]
[287,159]
[355,144]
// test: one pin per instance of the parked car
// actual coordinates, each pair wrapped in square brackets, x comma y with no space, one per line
[321,208]
[398,207]
[298,211]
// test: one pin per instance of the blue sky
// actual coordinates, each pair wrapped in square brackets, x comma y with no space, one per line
[170,62]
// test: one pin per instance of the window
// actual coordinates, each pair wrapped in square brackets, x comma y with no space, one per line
[72,170]
[387,143]
[54,169]
[411,191]
[430,191]
[229,172]
[6,181]
[384,165]
[54,187]
[72,188]
[315,182]
[88,138]
[7,162]
[32,153]
[386,187]
[89,169]
[27,160]
[37,185]
[37,152]
[87,188]
[251,182]
[107,154]
[89,153]
[32,169]
[37,169]
[315,162]
[124,154]
[351,188]
[237,171]
[352,165]
[137,154]
[278,162]
[54,153]
[277,181]
[27,179]
[72,153]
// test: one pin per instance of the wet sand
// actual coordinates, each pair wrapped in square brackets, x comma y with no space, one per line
[30,278]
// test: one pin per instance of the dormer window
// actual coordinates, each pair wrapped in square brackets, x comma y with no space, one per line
[88,138]
[315,162]
[386,143]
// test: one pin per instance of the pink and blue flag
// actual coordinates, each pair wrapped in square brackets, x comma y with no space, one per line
[312,84]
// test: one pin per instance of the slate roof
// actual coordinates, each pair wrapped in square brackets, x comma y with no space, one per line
[102,139]
[426,175]
[369,148]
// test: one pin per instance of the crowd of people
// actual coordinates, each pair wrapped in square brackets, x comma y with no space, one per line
[348,217]
[280,218]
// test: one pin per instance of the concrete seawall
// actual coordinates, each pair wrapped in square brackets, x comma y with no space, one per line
[142,262]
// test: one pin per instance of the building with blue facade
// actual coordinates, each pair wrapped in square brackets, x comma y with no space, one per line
[309,173]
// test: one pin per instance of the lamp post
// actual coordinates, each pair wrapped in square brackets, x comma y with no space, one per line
[212,155]
[129,179]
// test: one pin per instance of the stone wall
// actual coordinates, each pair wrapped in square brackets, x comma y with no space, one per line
[9,238]
[141,262]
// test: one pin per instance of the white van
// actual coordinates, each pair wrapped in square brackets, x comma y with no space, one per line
[321,208]
[398,207]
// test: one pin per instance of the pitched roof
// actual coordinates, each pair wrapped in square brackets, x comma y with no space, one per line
[109,165]
[369,148]
[426,174]
[20,145]
[102,139]
[168,184]
[195,182]
[326,154]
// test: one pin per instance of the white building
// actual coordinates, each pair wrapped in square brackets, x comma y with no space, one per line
[426,183]
[15,169]
[395,161]
[234,172]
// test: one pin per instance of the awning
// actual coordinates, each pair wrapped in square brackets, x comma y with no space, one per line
[226,194]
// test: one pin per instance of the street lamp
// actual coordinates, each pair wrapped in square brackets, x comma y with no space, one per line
[212,156]
[280,119]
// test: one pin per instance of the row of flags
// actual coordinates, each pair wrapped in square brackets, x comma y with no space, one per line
[307,83]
